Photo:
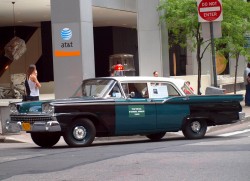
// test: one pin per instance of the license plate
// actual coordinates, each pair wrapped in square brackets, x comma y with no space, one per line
[26,126]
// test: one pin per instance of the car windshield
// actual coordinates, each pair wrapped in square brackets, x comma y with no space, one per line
[94,88]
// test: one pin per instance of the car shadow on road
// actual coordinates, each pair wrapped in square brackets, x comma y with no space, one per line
[120,142]
[141,140]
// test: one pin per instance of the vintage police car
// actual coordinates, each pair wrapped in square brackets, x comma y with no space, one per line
[116,106]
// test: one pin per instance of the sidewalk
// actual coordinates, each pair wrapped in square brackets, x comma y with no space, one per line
[23,137]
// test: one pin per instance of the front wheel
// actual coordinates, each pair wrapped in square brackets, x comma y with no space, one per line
[80,133]
[45,140]
[195,129]
[156,136]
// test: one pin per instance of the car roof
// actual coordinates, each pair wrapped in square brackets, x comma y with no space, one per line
[139,79]
[145,78]
[178,82]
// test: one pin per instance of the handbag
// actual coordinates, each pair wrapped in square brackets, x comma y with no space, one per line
[26,91]
[24,98]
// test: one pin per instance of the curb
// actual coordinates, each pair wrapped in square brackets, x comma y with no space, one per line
[4,139]
[220,127]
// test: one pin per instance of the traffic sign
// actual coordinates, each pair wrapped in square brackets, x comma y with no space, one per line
[209,10]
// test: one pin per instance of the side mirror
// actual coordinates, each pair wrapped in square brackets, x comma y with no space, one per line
[132,94]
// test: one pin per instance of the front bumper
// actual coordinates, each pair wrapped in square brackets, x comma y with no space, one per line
[32,123]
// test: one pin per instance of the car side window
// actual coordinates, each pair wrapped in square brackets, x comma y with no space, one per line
[172,91]
[134,87]
[157,90]
[161,90]
[135,90]
[125,89]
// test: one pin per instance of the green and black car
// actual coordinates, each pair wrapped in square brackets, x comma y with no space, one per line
[119,106]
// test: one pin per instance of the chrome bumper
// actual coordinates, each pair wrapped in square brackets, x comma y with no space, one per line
[38,126]
[242,116]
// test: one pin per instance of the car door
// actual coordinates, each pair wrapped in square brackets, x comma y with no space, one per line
[171,107]
[135,114]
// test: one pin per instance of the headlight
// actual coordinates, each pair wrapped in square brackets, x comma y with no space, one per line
[13,108]
[47,108]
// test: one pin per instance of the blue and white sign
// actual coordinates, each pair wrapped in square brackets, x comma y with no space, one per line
[66,34]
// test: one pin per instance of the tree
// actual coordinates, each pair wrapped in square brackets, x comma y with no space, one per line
[181,17]
[235,25]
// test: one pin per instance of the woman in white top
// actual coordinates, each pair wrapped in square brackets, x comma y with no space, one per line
[33,83]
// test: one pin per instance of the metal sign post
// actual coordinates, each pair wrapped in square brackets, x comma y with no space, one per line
[213,53]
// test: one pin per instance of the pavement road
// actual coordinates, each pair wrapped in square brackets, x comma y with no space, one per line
[222,155]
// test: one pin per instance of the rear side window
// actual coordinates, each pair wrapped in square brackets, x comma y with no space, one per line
[157,90]
[161,90]
[150,90]
[172,91]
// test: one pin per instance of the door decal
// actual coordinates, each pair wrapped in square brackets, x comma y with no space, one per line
[136,111]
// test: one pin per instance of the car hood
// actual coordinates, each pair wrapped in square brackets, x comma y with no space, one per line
[36,106]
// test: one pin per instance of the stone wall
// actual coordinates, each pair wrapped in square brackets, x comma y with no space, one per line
[16,88]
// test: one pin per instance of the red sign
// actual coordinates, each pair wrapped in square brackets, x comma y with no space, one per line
[209,10]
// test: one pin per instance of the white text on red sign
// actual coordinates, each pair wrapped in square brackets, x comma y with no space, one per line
[206,4]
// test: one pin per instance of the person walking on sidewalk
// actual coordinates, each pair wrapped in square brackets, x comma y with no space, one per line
[33,83]
[247,84]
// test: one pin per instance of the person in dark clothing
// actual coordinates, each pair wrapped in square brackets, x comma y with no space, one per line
[132,88]
[247,96]
[247,84]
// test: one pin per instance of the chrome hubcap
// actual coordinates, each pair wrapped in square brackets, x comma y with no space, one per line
[195,126]
[79,132]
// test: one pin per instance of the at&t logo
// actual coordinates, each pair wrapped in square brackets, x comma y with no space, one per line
[66,34]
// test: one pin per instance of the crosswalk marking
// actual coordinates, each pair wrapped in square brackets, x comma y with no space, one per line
[235,133]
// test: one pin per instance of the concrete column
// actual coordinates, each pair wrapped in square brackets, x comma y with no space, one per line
[4,117]
[189,64]
[73,45]
[164,49]
[152,46]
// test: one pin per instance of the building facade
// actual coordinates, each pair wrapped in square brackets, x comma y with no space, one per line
[83,34]
[78,57]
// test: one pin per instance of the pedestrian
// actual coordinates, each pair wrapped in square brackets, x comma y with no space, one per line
[247,85]
[112,71]
[189,86]
[32,84]
[155,73]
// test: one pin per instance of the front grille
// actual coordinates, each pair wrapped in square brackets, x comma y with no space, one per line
[30,118]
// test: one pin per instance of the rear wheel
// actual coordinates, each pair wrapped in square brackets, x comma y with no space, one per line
[45,140]
[156,136]
[195,128]
[80,133]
